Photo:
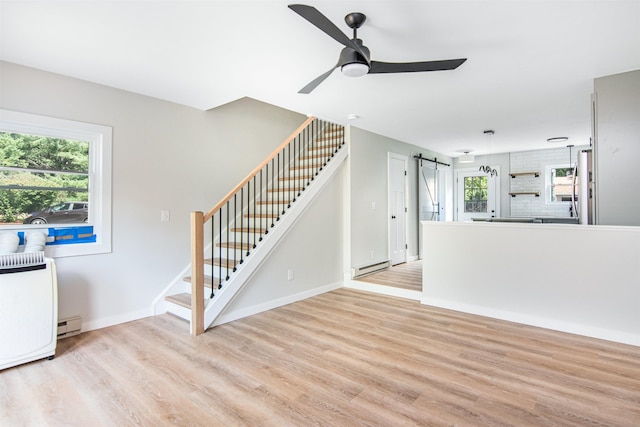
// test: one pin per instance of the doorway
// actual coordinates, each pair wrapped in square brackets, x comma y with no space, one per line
[397,178]
[477,195]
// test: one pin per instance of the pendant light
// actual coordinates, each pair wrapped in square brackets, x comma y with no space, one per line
[486,168]
[466,158]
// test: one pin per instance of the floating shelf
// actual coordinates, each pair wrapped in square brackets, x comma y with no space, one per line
[525,193]
[513,175]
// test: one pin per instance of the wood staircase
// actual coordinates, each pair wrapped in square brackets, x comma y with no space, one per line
[257,225]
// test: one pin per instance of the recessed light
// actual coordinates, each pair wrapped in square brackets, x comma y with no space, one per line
[353,116]
[558,139]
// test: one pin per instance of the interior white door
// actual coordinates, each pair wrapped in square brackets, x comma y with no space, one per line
[478,195]
[430,195]
[397,208]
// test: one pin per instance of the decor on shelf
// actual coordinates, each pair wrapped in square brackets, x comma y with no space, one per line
[486,168]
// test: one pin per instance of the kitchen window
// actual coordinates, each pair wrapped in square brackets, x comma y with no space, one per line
[55,177]
[559,184]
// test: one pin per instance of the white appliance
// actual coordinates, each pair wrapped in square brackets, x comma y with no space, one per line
[583,202]
[28,308]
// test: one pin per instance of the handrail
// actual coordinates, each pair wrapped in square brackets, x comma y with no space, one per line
[257,169]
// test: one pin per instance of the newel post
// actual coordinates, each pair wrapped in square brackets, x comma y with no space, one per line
[197,273]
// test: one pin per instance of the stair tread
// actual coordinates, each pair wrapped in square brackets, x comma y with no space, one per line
[249,230]
[293,178]
[311,166]
[284,190]
[220,262]
[274,202]
[324,147]
[235,245]
[208,281]
[183,299]
[262,215]
[314,156]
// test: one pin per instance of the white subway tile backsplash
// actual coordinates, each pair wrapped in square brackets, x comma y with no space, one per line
[537,161]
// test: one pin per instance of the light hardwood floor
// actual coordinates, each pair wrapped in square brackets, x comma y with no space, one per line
[344,358]
[405,276]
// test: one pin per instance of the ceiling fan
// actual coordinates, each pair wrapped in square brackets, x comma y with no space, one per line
[354,59]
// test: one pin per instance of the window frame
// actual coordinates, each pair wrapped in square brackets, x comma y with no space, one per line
[548,185]
[473,188]
[100,141]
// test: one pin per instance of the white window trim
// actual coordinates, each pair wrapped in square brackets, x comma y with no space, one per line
[100,157]
[548,184]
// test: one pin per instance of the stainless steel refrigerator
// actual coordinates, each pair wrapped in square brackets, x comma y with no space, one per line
[584,201]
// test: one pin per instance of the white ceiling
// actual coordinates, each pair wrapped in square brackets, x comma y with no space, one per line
[529,73]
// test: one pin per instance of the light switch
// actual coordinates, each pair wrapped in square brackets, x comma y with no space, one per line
[164,216]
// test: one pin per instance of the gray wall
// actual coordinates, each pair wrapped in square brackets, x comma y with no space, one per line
[368,183]
[165,156]
[313,250]
[618,149]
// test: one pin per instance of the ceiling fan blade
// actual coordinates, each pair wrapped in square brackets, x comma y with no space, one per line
[315,82]
[411,67]
[314,16]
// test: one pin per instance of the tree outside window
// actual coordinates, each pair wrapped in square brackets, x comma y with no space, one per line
[37,172]
[475,193]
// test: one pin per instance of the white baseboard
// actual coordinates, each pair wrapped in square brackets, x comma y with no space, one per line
[541,322]
[115,320]
[384,290]
[269,305]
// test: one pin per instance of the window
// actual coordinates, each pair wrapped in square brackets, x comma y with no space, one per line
[560,184]
[475,193]
[55,177]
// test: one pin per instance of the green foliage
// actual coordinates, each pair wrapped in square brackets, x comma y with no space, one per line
[561,172]
[475,193]
[42,154]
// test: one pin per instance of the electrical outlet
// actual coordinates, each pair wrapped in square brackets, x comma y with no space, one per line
[290,275]
[373,206]
[372,254]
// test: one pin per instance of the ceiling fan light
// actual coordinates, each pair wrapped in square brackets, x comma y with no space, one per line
[355,69]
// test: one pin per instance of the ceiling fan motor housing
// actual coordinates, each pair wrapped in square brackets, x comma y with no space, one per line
[350,56]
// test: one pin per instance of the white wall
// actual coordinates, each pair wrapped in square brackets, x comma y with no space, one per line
[618,149]
[368,165]
[165,156]
[578,279]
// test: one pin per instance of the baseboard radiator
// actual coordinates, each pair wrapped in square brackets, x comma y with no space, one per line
[371,268]
[69,327]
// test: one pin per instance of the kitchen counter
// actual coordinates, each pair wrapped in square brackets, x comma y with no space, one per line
[531,220]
